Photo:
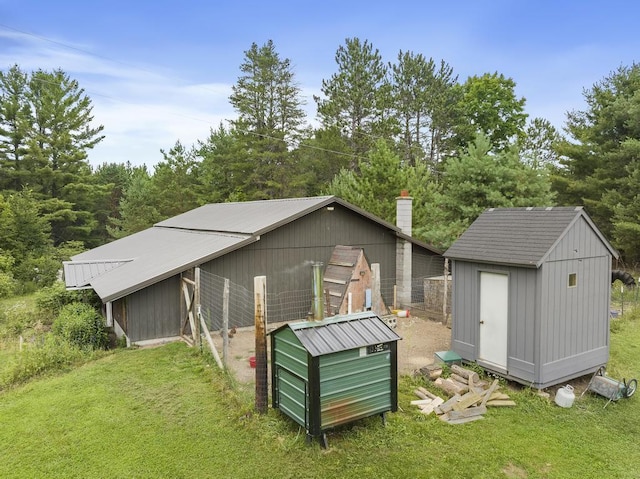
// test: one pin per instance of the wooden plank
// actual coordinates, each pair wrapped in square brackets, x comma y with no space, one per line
[464,420]
[489,392]
[429,408]
[467,400]
[212,346]
[429,394]
[420,394]
[448,405]
[342,263]
[501,403]
[421,402]
[495,396]
[335,281]
[469,412]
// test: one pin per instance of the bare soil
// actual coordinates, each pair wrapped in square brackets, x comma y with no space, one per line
[421,338]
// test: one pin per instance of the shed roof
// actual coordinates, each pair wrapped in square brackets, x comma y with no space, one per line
[189,239]
[519,236]
[341,333]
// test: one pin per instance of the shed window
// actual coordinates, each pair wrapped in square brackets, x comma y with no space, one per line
[573,280]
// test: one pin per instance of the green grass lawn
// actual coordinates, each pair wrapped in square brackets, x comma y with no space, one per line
[168,412]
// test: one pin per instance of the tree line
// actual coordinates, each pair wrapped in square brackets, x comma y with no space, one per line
[458,147]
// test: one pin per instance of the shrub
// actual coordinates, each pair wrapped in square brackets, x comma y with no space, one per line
[15,319]
[51,299]
[50,354]
[81,325]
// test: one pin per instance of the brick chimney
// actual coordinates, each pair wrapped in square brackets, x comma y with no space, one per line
[404,211]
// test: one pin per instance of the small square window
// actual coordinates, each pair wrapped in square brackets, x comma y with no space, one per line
[573,280]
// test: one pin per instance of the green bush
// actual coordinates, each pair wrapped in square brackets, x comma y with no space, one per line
[51,299]
[48,353]
[81,325]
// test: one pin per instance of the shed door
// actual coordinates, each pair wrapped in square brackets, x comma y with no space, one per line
[494,303]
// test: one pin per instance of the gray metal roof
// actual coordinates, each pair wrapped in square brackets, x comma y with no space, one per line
[192,238]
[341,333]
[154,254]
[78,274]
[518,236]
[247,217]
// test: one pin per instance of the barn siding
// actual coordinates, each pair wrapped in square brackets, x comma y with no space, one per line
[154,312]
[286,254]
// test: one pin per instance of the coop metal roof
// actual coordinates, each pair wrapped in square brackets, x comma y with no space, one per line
[130,264]
[341,333]
[518,236]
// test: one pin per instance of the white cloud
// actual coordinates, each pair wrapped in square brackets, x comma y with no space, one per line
[141,110]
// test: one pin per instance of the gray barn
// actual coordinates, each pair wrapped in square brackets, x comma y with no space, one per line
[141,278]
[531,292]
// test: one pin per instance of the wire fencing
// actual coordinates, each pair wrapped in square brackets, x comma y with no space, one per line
[287,306]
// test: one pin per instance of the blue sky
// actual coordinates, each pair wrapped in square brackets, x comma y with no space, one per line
[162,71]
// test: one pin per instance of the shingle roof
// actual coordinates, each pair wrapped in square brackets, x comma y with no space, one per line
[341,333]
[517,236]
[132,263]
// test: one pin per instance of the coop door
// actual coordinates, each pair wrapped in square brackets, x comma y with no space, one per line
[494,303]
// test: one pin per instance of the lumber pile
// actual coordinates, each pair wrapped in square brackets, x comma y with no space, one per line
[468,397]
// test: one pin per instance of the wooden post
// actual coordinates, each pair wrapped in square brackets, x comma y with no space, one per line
[197,334]
[225,322]
[260,300]
[395,297]
[212,346]
[376,300]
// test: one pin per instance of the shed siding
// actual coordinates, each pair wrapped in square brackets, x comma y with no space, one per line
[580,241]
[465,303]
[154,312]
[522,314]
[574,320]
[522,320]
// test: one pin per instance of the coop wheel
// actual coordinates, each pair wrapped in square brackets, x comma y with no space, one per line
[631,388]
[601,371]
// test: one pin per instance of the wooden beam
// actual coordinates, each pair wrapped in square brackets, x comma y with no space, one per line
[467,400]
[334,281]
[212,346]
[469,412]
[489,392]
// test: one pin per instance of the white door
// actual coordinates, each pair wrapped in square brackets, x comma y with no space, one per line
[494,303]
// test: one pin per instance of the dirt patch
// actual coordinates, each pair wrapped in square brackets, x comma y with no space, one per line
[421,338]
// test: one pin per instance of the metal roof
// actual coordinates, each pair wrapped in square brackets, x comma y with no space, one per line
[518,236]
[247,217]
[154,254]
[192,238]
[78,274]
[340,333]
